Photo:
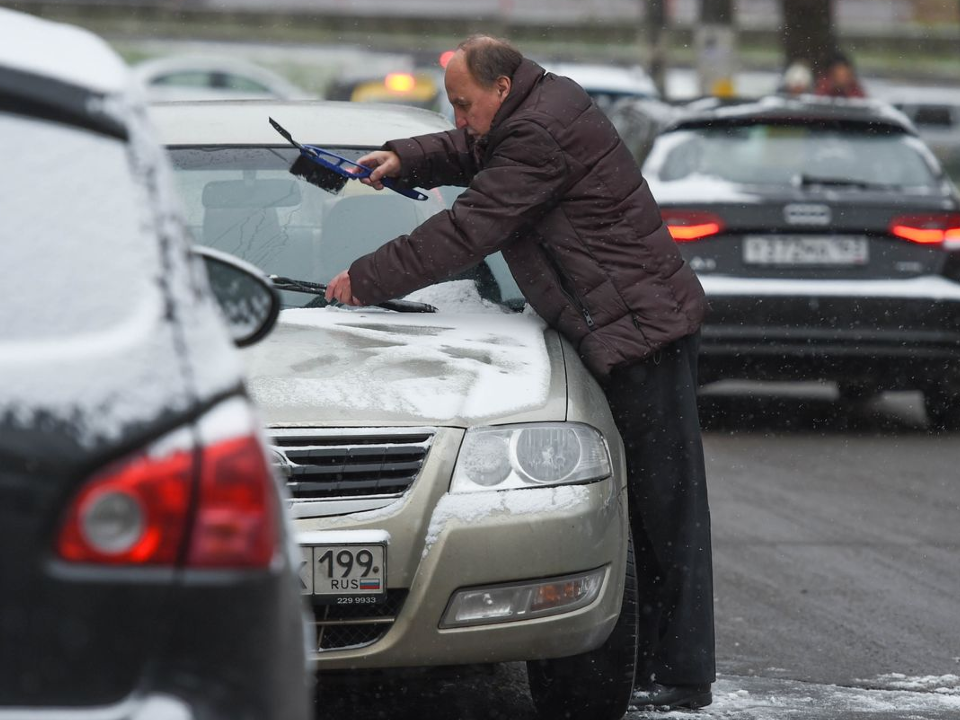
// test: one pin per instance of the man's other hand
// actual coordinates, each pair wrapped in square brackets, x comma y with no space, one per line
[339,289]
[383,163]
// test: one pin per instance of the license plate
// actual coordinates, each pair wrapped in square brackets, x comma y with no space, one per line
[805,250]
[344,574]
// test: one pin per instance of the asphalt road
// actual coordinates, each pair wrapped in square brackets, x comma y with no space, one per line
[837,562]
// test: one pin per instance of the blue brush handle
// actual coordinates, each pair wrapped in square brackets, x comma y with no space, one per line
[337,163]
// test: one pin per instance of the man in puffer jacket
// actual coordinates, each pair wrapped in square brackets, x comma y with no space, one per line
[552,186]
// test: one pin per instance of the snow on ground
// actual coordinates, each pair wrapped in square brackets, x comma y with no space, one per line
[887,697]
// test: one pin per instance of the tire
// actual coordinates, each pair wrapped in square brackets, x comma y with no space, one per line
[943,409]
[595,685]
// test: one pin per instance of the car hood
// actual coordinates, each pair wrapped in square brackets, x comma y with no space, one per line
[369,367]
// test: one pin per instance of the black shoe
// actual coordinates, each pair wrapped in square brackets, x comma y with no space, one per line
[670,697]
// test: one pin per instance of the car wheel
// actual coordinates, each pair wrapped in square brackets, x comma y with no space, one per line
[595,685]
[943,408]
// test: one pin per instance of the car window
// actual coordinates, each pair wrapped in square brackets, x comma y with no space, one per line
[86,177]
[244,201]
[781,154]
[187,78]
[240,83]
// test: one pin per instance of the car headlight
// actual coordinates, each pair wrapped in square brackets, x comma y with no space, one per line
[534,455]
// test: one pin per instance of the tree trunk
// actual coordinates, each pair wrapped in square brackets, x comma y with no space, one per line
[807,32]
[656,20]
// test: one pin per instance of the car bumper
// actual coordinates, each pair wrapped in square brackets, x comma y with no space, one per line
[440,543]
[884,331]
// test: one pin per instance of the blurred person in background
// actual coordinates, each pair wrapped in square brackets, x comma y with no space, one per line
[840,79]
[797,79]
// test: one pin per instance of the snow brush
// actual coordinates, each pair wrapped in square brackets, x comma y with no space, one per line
[329,171]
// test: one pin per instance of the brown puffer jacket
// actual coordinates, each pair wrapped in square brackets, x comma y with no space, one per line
[555,189]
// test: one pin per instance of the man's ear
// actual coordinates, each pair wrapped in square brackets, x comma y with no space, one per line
[503,87]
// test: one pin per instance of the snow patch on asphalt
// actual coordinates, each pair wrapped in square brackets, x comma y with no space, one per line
[889,697]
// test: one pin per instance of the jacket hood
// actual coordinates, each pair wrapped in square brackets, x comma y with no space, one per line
[348,367]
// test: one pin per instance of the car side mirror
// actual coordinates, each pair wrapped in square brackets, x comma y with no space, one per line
[249,302]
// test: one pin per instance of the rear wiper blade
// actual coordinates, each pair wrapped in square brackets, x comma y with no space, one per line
[806,180]
[312,288]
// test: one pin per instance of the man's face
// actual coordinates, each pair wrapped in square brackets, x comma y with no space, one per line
[473,106]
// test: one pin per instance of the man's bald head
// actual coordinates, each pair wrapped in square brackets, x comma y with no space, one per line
[488,58]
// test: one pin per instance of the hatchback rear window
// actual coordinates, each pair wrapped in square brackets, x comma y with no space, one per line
[786,154]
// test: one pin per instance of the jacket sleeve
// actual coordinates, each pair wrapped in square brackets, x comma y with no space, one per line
[444,158]
[526,176]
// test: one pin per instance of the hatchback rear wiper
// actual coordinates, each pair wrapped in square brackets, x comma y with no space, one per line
[806,180]
[318,289]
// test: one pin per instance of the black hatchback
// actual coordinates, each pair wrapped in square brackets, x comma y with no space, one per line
[147,568]
[827,239]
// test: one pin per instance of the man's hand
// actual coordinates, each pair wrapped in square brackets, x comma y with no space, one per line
[384,163]
[339,289]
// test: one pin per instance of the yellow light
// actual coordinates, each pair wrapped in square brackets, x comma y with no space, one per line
[399,82]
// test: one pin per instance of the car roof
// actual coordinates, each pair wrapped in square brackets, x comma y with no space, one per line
[336,124]
[606,78]
[81,59]
[803,109]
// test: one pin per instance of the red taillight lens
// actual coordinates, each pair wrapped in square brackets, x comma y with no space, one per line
[927,229]
[236,520]
[138,512]
[687,225]
[134,512]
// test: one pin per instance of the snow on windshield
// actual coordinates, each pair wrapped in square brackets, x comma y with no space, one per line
[96,267]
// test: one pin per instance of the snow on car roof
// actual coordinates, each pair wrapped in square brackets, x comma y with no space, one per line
[606,78]
[335,124]
[61,52]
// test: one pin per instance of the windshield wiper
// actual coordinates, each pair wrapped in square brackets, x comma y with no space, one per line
[805,180]
[318,289]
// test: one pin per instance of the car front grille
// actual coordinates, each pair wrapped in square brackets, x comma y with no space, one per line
[349,626]
[326,464]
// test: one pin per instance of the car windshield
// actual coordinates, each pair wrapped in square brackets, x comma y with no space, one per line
[244,201]
[790,154]
[93,267]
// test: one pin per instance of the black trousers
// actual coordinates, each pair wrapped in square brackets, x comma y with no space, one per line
[654,404]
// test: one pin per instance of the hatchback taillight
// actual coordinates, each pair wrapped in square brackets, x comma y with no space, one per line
[928,229]
[688,225]
[211,507]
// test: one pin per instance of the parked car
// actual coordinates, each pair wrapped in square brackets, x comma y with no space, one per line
[935,112]
[608,84]
[211,77]
[145,559]
[457,479]
[826,237]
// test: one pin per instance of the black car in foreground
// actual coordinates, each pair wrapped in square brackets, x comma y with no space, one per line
[147,570]
[827,239]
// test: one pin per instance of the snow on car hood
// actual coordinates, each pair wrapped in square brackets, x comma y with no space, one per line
[322,366]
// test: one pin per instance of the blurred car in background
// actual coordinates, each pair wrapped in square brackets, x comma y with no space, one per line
[607,84]
[421,88]
[144,552]
[827,239]
[935,112]
[207,77]
[457,478]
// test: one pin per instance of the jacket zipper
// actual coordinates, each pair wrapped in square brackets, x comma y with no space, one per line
[566,285]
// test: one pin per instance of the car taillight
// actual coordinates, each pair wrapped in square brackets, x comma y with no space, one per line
[687,225]
[236,518]
[930,229]
[145,509]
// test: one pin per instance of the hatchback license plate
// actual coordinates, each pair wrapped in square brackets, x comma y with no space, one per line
[805,250]
[344,574]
